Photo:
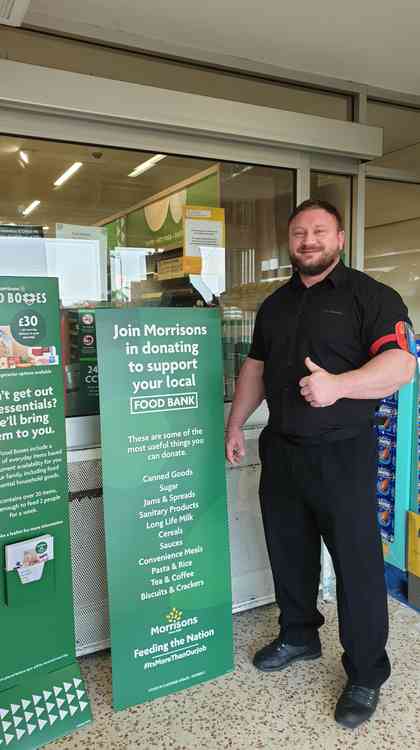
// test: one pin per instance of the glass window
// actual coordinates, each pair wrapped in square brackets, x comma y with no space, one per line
[257,202]
[121,227]
[94,59]
[401,127]
[392,247]
[336,189]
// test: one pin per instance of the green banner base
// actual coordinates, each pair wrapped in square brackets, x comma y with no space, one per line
[43,708]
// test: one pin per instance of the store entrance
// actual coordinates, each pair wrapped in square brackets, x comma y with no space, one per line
[134,228]
[137,228]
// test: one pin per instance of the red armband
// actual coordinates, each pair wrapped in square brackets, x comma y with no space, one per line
[403,337]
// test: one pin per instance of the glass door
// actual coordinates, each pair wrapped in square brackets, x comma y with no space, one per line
[116,231]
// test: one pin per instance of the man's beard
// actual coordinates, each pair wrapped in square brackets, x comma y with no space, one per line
[316,268]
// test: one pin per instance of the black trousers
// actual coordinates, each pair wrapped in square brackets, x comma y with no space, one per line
[327,490]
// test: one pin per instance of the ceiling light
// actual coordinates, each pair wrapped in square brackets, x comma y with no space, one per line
[384,269]
[241,171]
[276,278]
[24,156]
[147,165]
[32,206]
[45,229]
[68,173]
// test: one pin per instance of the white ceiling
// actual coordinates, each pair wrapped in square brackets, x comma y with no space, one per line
[373,42]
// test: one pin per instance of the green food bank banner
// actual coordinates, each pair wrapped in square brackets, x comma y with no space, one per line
[160,386]
[42,694]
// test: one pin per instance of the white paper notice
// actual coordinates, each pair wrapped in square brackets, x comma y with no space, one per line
[76,263]
[128,264]
[202,233]
[213,268]
[80,232]
[201,287]
[270,265]
[23,256]
[212,280]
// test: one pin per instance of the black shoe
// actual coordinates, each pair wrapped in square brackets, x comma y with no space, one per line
[356,705]
[278,655]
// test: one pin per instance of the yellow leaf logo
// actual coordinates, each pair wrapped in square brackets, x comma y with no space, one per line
[174,615]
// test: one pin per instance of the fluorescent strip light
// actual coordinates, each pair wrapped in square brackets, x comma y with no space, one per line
[32,206]
[385,269]
[276,278]
[147,165]
[68,173]
[24,156]
[393,252]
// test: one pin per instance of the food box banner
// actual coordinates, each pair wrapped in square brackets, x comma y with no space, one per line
[38,668]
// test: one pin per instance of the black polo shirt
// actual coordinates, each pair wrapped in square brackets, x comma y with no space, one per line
[339,323]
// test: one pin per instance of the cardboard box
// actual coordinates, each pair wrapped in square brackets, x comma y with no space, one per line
[176,267]
[144,291]
[414,544]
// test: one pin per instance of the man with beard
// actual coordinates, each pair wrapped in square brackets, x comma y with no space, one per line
[327,346]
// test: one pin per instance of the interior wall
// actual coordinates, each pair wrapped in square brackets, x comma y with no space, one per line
[389,202]
[392,240]
[257,205]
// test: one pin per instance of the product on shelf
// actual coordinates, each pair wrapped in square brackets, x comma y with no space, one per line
[385,480]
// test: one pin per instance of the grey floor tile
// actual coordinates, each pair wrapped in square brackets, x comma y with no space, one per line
[248,710]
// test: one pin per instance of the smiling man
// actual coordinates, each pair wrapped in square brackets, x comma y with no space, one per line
[327,346]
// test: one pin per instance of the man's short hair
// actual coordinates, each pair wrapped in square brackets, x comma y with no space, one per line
[309,204]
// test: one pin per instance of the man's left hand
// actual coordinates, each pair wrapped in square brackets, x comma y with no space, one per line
[320,388]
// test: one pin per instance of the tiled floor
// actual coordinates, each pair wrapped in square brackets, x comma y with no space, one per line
[284,711]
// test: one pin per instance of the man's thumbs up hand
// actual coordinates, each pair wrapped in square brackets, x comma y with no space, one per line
[320,388]
[312,367]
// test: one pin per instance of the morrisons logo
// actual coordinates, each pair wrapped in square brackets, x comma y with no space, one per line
[175,622]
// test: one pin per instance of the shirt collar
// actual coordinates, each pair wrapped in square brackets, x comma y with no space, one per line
[337,277]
